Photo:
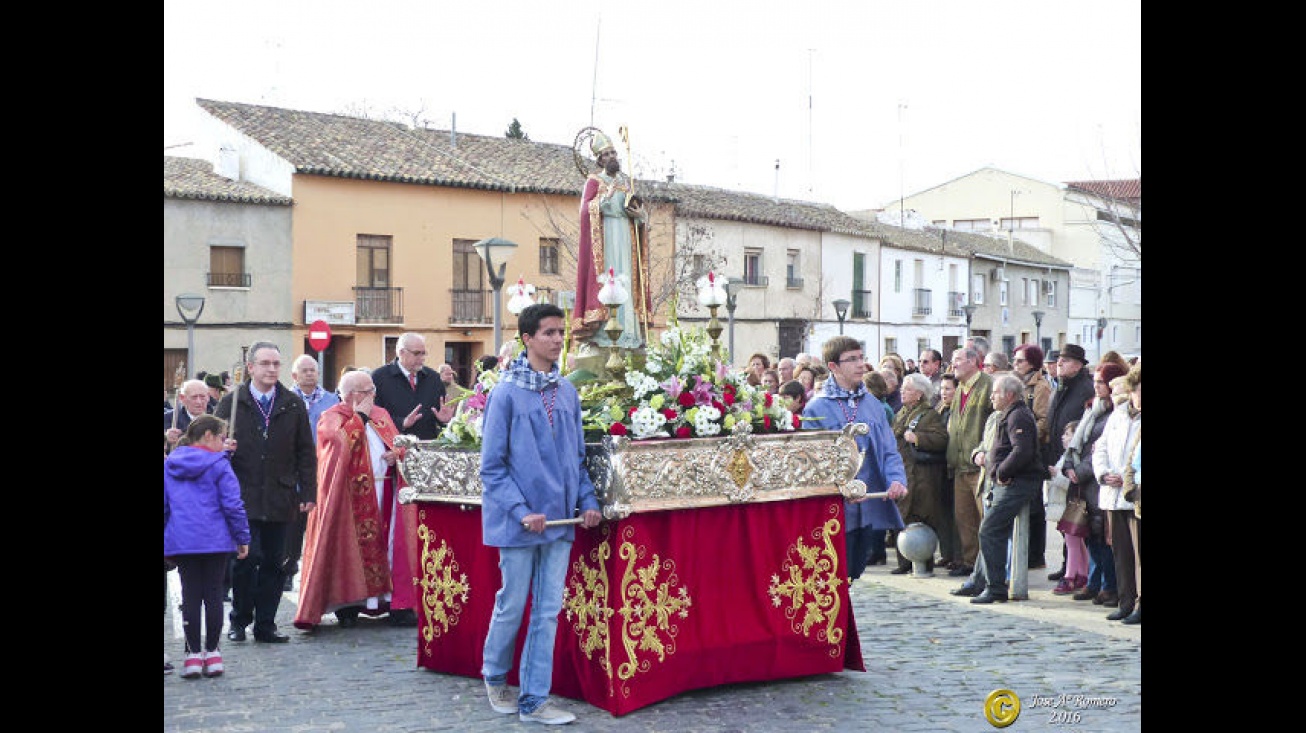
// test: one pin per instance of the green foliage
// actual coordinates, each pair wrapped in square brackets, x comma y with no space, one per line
[515,132]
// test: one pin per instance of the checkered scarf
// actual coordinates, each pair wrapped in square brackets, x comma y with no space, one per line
[520,373]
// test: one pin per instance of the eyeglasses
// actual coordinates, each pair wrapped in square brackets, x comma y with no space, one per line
[266,364]
[365,391]
[416,353]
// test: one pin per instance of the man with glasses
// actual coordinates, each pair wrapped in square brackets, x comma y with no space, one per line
[970,410]
[272,453]
[360,546]
[412,392]
[932,367]
[843,400]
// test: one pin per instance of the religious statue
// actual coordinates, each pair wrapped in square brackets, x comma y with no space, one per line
[613,236]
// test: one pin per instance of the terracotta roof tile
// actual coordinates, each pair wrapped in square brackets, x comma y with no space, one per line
[190,178]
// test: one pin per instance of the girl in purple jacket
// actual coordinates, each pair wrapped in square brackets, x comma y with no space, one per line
[203,523]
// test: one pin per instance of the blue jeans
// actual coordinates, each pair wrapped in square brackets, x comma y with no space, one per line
[539,571]
[1101,564]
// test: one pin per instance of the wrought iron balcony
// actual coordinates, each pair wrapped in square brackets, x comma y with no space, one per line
[229,279]
[471,306]
[861,304]
[378,305]
[955,302]
[755,279]
[794,282]
[921,305]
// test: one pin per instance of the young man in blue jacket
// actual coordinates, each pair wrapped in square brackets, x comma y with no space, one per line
[541,478]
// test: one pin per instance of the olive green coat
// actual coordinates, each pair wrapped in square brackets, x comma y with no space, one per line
[966,427]
[924,481]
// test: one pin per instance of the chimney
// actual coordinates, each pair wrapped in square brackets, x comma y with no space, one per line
[453,129]
[228,163]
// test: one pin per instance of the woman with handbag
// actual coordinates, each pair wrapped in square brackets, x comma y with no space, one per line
[1073,524]
[922,437]
[1078,467]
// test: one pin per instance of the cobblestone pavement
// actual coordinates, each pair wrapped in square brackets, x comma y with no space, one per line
[931,659]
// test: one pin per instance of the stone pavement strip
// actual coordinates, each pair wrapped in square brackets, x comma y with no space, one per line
[932,660]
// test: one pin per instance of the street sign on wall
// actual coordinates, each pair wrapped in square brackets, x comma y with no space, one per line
[334,312]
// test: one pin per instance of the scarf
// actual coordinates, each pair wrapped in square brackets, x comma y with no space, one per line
[520,373]
[1091,416]
[835,392]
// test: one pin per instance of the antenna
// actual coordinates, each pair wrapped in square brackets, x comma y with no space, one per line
[594,85]
[811,172]
[902,208]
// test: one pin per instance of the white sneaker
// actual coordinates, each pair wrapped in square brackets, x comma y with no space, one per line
[501,698]
[547,714]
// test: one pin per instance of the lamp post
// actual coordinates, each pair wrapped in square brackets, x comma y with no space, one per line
[496,251]
[1101,328]
[1038,327]
[841,312]
[733,286]
[969,310]
[190,306]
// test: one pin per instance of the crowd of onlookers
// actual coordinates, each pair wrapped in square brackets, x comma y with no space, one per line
[1089,423]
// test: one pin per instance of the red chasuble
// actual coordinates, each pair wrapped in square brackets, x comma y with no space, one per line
[346,553]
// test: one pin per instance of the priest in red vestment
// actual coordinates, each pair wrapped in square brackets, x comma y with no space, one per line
[360,551]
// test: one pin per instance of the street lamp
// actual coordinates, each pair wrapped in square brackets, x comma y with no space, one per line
[733,286]
[190,306]
[1101,327]
[969,309]
[1038,327]
[495,250]
[841,312]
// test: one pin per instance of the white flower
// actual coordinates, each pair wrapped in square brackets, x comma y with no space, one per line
[647,423]
[641,383]
[705,421]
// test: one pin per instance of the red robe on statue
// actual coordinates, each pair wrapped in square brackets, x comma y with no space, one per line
[346,557]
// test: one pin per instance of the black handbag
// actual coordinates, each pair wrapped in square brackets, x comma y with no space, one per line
[925,457]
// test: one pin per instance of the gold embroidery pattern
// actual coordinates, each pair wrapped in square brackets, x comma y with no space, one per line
[647,608]
[812,585]
[585,603]
[444,589]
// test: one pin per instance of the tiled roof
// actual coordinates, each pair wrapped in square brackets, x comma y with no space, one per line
[352,147]
[190,178]
[958,244]
[1130,189]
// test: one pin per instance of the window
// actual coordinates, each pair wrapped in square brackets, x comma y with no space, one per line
[697,266]
[1138,335]
[861,295]
[1050,291]
[922,344]
[890,345]
[753,267]
[1002,291]
[548,255]
[970,225]
[1024,291]
[227,267]
[374,261]
[976,289]
[793,273]
[1020,222]
[469,300]
[897,276]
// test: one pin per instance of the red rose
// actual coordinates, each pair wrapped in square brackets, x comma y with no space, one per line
[766,421]
[669,413]
[686,399]
[766,398]
[728,397]
[717,404]
[729,389]
[617,429]
[683,431]
[633,410]
[798,422]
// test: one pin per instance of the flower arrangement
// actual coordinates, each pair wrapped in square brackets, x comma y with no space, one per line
[681,391]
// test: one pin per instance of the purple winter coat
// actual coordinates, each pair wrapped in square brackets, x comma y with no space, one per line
[202,509]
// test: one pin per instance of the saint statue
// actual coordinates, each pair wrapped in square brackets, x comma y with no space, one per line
[613,237]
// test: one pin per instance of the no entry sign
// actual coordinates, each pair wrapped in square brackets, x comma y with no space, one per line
[319,335]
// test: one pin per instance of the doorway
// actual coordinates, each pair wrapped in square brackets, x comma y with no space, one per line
[459,356]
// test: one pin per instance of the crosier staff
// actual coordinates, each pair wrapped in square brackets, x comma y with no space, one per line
[638,284]
[179,378]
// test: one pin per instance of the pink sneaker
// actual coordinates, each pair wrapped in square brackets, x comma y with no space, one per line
[193,667]
[212,663]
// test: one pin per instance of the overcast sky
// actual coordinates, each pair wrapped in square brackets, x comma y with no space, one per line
[861,101]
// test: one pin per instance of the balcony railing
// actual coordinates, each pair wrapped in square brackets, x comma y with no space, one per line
[955,302]
[921,302]
[755,279]
[471,306]
[794,282]
[229,279]
[379,305]
[861,304]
